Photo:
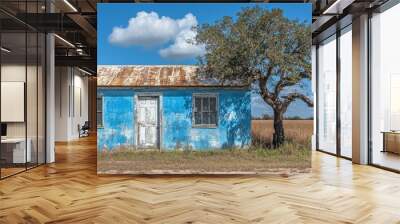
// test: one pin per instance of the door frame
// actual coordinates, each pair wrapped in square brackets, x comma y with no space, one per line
[148,94]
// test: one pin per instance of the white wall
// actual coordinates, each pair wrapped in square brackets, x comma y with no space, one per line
[71,94]
[62,82]
[12,73]
[81,94]
[33,126]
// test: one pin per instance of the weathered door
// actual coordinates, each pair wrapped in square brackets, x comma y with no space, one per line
[148,122]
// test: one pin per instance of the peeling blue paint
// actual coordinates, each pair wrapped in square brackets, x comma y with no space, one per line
[233,129]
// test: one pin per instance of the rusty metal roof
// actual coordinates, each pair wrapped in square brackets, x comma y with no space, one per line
[154,76]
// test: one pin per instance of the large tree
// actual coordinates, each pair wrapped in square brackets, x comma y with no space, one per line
[264,49]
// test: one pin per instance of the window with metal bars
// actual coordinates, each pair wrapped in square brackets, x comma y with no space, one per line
[205,110]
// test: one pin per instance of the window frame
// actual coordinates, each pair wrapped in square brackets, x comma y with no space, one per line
[101,111]
[205,95]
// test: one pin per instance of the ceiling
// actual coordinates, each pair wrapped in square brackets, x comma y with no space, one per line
[75,22]
[330,15]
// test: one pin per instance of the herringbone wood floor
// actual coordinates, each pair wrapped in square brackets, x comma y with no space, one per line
[69,191]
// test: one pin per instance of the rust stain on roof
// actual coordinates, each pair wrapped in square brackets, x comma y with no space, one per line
[154,76]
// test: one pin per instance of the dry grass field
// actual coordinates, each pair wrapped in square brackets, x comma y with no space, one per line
[299,131]
[292,157]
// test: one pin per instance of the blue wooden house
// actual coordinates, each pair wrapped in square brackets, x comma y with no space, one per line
[169,107]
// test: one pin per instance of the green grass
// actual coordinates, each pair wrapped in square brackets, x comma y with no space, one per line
[288,150]
[256,158]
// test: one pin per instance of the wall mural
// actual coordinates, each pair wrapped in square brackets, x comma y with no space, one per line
[204,88]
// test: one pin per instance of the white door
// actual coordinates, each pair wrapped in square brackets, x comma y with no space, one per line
[147,122]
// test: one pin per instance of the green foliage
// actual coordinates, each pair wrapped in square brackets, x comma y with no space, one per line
[260,47]
[298,118]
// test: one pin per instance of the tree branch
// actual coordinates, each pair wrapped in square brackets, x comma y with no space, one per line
[287,81]
[293,96]
[269,72]
[262,85]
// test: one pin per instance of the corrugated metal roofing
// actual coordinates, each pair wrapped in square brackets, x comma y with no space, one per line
[154,76]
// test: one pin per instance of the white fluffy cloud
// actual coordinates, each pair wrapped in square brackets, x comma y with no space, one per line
[149,29]
[145,29]
[183,47]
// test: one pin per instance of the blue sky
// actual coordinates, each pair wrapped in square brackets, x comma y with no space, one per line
[153,34]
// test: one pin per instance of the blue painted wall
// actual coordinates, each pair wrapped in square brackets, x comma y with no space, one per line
[233,130]
[118,120]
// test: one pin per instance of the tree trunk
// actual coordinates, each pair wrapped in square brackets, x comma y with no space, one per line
[279,135]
